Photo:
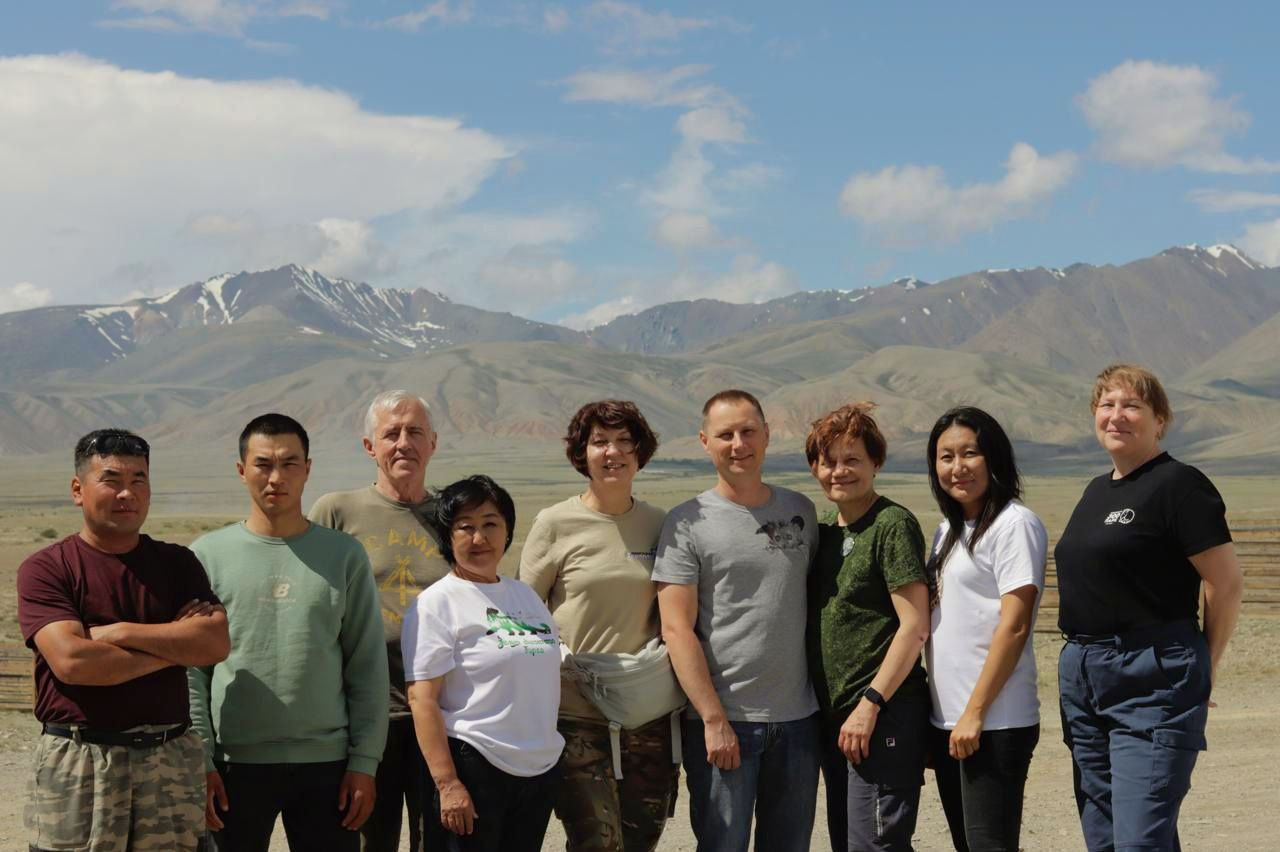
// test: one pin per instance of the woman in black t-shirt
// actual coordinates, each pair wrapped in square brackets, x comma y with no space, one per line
[1135,674]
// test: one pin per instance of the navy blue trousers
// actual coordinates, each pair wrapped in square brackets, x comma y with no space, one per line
[1134,708]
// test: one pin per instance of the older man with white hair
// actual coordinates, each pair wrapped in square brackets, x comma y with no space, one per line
[389,519]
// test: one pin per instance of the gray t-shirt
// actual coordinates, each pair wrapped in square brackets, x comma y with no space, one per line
[750,566]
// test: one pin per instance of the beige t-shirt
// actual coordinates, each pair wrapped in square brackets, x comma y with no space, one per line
[405,556]
[593,571]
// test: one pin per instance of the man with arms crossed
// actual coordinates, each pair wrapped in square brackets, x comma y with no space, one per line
[731,571]
[295,720]
[113,616]
[389,519]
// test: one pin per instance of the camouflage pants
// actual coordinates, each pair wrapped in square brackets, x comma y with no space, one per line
[601,814]
[95,798]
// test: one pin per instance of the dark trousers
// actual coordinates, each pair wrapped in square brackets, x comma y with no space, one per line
[512,812]
[1134,708]
[873,806]
[304,795]
[403,782]
[982,794]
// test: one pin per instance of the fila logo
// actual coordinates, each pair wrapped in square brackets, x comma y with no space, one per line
[1124,516]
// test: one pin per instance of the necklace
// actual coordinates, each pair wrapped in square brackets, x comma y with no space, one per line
[846,546]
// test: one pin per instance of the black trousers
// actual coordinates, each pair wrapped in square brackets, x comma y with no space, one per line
[304,795]
[513,812]
[403,783]
[982,794]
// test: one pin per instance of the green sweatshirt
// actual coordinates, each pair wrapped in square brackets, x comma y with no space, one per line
[306,681]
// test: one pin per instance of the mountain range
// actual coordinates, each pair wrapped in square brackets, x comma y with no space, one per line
[196,363]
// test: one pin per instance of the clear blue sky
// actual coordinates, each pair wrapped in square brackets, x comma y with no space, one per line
[570,161]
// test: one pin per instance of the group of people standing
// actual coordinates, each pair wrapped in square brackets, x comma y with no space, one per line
[737,634]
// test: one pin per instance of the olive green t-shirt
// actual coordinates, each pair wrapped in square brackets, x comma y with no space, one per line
[851,616]
[593,570]
[405,556]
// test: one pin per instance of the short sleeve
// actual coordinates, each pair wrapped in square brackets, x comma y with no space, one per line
[538,569]
[198,587]
[1200,515]
[44,594]
[1018,553]
[677,559]
[428,643]
[901,553]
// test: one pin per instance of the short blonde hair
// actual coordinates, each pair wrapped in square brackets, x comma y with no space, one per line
[1142,382]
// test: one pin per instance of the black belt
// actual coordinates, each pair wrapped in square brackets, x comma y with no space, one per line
[132,739]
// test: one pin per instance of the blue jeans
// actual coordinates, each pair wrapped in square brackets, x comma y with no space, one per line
[1134,708]
[779,759]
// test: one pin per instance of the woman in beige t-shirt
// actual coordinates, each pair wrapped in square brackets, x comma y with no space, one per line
[590,557]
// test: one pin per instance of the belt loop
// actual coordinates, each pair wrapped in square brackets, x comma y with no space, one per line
[75,735]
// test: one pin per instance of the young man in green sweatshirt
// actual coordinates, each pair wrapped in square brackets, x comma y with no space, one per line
[295,719]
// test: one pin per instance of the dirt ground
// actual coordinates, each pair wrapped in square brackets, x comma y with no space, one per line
[1234,805]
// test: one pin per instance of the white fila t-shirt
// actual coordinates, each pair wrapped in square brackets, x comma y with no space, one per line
[498,649]
[1010,555]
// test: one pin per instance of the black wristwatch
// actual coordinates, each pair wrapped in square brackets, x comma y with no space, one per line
[874,697]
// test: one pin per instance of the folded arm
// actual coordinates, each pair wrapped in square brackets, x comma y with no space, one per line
[78,660]
[197,636]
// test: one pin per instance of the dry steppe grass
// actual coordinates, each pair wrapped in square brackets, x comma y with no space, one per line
[1236,801]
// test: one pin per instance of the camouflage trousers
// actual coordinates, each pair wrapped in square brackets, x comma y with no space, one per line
[96,798]
[601,814]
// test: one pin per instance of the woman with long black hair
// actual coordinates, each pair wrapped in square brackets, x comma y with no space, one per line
[987,567]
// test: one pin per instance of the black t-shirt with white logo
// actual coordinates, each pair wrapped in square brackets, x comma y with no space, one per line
[1122,560]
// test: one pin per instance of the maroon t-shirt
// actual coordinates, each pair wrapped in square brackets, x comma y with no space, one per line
[71,581]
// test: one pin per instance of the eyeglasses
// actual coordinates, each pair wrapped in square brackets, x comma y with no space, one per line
[626,446]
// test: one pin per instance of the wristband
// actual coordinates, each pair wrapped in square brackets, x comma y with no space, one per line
[874,697]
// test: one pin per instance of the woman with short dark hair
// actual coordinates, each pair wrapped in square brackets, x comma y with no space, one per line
[477,645]
[590,558]
[1136,672]
[868,619]
[987,567]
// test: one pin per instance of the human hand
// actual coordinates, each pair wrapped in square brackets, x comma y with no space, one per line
[457,811]
[854,739]
[722,745]
[965,736]
[355,796]
[195,608]
[107,632]
[215,799]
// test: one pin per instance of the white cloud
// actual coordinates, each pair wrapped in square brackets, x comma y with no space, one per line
[101,166]
[635,30]
[908,205]
[528,278]
[1261,241]
[678,87]
[1230,201]
[442,11]
[1154,115]
[601,313]
[226,17]
[747,280]
[23,296]
[750,177]
[681,231]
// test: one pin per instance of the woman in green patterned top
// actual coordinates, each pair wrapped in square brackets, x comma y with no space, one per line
[868,620]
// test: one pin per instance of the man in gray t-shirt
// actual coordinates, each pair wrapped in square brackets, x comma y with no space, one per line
[731,572]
